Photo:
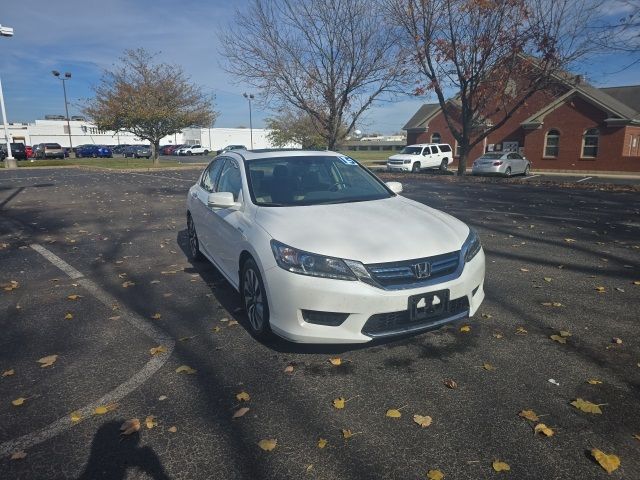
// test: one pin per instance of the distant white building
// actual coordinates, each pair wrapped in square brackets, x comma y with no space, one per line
[83,132]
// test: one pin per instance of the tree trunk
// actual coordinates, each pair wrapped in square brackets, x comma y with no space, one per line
[155,147]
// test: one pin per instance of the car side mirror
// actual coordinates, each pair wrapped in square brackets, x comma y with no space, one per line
[221,200]
[395,187]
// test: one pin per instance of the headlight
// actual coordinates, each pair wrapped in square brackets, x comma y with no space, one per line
[471,245]
[305,263]
[407,161]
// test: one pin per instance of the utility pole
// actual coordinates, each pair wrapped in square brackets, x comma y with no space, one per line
[9,162]
[66,77]
[249,96]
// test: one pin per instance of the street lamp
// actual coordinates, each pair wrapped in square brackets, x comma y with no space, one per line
[9,162]
[66,77]
[249,96]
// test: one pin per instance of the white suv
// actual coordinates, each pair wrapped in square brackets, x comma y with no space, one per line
[414,158]
[193,150]
[322,251]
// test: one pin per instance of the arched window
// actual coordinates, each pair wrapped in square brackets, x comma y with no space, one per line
[590,143]
[552,143]
[436,137]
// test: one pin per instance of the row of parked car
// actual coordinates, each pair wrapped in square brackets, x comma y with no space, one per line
[188,150]
[414,158]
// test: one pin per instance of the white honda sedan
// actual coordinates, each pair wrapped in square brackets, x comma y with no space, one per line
[322,251]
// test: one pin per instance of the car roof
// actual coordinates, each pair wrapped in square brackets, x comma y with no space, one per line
[427,144]
[249,155]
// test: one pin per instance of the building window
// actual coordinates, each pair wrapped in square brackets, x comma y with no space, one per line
[552,143]
[457,152]
[436,137]
[590,143]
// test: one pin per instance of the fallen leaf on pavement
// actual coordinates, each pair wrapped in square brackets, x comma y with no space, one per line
[346,433]
[240,412]
[173,429]
[156,316]
[558,338]
[101,410]
[548,279]
[600,289]
[268,444]
[8,373]
[130,426]
[609,462]
[127,284]
[488,366]
[12,285]
[243,396]
[322,443]
[542,428]
[47,361]
[564,333]
[521,331]
[616,340]
[18,455]
[529,415]
[500,466]
[74,297]
[232,322]
[186,369]
[150,422]
[162,398]
[450,383]
[335,361]
[593,381]
[423,421]
[497,335]
[68,316]
[637,437]
[75,416]
[524,270]
[435,475]
[465,329]
[586,406]
[18,401]
[157,350]
[288,369]
[569,240]
[393,413]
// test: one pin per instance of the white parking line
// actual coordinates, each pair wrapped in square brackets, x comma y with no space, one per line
[530,176]
[583,179]
[122,390]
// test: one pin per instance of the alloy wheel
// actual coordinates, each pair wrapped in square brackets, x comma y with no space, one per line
[193,239]
[253,299]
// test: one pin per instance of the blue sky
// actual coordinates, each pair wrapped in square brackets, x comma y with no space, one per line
[86,36]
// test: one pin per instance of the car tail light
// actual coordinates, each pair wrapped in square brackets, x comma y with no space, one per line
[498,163]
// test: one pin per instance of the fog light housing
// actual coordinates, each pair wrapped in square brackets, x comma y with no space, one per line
[331,319]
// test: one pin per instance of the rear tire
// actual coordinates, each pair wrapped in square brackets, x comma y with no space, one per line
[507,172]
[254,299]
[194,245]
[527,170]
[416,167]
[444,165]
[206,152]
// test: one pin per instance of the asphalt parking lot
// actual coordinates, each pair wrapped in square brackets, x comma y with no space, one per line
[100,277]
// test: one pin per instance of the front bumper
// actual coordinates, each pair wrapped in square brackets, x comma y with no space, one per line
[399,168]
[289,293]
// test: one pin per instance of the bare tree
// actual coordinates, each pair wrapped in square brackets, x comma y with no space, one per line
[328,58]
[150,100]
[620,30]
[494,54]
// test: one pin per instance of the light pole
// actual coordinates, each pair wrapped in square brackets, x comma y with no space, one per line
[9,162]
[66,77]
[249,96]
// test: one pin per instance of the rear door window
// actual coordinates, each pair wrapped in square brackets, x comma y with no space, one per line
[434,149]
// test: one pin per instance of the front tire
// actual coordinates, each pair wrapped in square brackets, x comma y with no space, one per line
[415,168]
[254,298]
[194,245]
[527,170]
[507,172]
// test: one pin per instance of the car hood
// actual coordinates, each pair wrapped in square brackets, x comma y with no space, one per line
[372,232]
[404,156]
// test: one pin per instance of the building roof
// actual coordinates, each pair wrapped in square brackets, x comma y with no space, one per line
[628,95]
[424,112]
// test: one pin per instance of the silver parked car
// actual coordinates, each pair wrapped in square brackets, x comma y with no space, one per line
[501,163]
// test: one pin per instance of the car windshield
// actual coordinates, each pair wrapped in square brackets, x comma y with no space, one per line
[412,150]
[492,156]
[52,145]
[311,180]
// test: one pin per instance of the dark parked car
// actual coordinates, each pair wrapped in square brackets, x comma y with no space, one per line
[119,149]
[94,151]
[231,147]
[17,151]
[48,150]
[137,151]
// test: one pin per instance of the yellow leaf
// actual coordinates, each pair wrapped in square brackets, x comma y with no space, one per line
[558,338]
[243,397]
[288,369]
[542,428]
[186,369]
[488,366]
[158,349]
[18,401]
[173,429]
[346,433]
[393,413]
[74,297]
[529,415]
[586,406]
[499,466]
[322,443]
[498,335]
[569,240]
[435,475]
[75,416]
[216,329]
[268,444]
[338,403]
[68,316]
[548,279]
[593,381]
[101,410]
[637,437]
[240,412]
[556,304]
[156,316]
[47,361]
[128,284]
[636,282]
[487,315]
[423,421]
[130,426]
[449,382]
[609,462]
[18,455]
[309,468]
[564,333]
[150,422]
[600,289]
[335,361]
[8,373]
[521,331]
[465,329]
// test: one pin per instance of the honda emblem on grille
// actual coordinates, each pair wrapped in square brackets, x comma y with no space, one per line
[421,270]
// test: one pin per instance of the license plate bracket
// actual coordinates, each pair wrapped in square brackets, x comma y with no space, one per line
[428,305]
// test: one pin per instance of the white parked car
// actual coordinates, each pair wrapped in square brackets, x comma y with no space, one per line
[501,163]
[192,150]
[414,158]
[322,251]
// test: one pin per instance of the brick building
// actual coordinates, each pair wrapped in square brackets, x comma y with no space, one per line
[575,127]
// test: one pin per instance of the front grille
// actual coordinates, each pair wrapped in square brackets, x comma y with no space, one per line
[395,274]
[396,162]
[396,323]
